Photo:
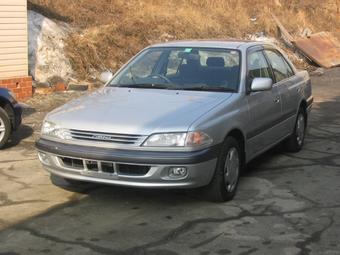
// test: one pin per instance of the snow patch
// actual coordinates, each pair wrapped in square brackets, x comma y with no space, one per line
[46,48]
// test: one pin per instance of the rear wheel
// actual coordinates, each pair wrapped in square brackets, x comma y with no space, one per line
[5,127]
[295,142]
[225,181]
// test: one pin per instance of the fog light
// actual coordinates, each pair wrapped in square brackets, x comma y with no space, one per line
[44,158]
[177,172]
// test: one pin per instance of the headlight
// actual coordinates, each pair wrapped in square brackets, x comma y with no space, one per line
[48,128]
[170,140]
[53,130]
[184,139]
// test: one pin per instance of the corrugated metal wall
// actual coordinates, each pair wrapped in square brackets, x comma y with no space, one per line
[13,38]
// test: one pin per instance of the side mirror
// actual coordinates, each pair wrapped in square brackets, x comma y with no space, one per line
[106,76]
[261,84]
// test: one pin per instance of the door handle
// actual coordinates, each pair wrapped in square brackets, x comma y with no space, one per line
[277,100]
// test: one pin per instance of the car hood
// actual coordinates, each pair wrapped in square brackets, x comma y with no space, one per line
[136,111]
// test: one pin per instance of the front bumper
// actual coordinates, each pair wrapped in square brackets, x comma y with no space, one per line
[155,165]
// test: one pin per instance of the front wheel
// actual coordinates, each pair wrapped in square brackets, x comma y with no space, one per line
[294,143]
[227,174]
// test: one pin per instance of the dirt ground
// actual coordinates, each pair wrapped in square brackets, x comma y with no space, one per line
[286,203]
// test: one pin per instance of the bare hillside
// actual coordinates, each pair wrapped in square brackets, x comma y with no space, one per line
[108,32]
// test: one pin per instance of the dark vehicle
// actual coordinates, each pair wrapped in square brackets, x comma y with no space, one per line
[10,115]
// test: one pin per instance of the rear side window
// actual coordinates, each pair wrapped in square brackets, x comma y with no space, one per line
[280,67]
[258,66]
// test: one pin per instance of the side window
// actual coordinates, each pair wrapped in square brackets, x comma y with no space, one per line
[258,66]
[280,67]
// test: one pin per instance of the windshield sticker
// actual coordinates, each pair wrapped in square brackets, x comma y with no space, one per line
[188,50]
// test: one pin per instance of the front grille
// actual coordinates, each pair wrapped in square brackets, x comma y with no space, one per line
[72,163]
[92,165]
[106,137]
[104,167]
[108,167]
[136,170]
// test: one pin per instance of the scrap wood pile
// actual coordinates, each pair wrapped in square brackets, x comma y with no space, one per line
[321,48]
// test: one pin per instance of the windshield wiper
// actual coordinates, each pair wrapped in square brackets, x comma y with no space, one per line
[168,86]
[209,88]
[145,86]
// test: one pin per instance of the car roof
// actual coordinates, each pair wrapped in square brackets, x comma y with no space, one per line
[230,44]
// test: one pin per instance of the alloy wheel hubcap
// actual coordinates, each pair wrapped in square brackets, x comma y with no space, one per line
[231,169]
[2,129]
[300,128]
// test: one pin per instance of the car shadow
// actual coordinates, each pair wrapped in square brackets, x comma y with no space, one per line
[23,132]
[263,159]
[128,194]
[27,110]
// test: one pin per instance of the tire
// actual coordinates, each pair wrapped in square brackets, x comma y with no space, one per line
[223,186]
[5,128]
[295,142]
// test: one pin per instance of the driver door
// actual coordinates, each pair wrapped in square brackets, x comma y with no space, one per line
[264,107]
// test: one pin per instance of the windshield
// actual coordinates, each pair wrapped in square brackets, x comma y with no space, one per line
[182,68]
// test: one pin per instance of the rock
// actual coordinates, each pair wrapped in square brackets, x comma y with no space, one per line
[53,80]
[60,87]
[78,87]
[40,84]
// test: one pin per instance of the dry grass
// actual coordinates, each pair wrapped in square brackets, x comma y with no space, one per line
[111,31]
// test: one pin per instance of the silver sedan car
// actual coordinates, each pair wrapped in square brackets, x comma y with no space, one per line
[181,114]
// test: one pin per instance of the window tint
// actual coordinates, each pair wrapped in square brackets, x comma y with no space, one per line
[280,67]
[258,66]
